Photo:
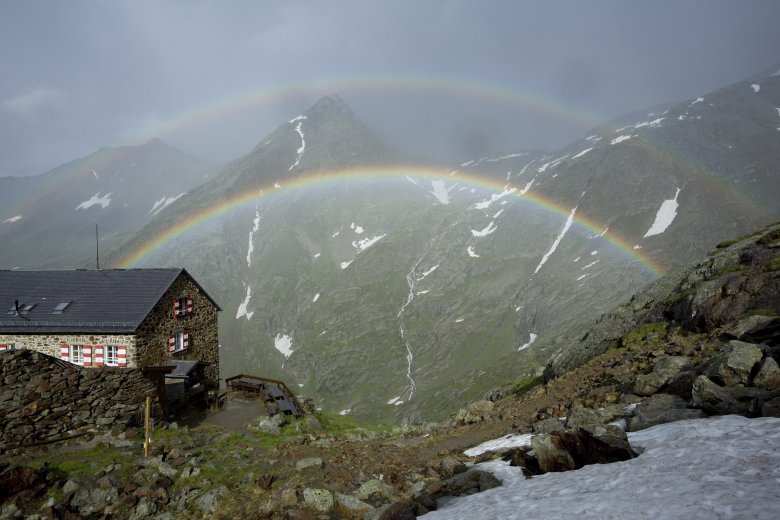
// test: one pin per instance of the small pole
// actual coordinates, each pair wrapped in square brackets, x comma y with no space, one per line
[147,435]
[97,248]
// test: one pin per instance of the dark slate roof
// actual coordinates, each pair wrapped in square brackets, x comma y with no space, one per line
[102,301]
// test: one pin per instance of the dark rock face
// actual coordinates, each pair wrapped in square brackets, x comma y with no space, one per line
[567,450]
[660,409]
[399,511]
[724,400]
[468,483]
[734,292]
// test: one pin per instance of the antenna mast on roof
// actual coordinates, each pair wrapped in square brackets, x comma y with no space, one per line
[97,248]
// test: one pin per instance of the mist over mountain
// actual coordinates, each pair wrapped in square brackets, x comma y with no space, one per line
[388,288]
[48,220]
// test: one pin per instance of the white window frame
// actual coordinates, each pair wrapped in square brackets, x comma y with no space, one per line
[179,335]
[111,355]
[76,354]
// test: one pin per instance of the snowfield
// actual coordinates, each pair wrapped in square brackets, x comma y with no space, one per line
[720,467]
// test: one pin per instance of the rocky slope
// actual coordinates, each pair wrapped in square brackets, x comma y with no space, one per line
[708,345]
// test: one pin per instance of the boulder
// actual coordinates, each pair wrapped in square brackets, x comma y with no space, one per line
[271,424]
[312,462]
[318,499]
[349,507]
[581,417]
[753,327]
[548,425]
[771,408]
[768,377]
[475,412]
[450,466]
[468,483]
[374,492]
[573,449]
[664,371]
[551,458]
[660,409]
[208,501]
[719,400]
[734,365]
[399,511]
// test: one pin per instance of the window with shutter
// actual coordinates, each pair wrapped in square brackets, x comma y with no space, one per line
[183,306]
[179,341]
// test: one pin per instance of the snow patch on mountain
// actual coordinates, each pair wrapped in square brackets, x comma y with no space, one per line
[498,213]
[558,239]
[664,217]
[316,297]
[426,273]
[697,100]
[620,139]
[756,87]
[364,244]
[527,187]
[724,466]
[470,251]
[395,401]
[301,148]
[655,123]
[344,265]
[356,228]
[96,200]
[12,219]
[487,230]
[411,180]
[532,337]
[493,198]
[586,150]
[551,164]
[163,203]
[440,191]
[243,305]
[95,174]
[284,344]
[251,246]
[591,264]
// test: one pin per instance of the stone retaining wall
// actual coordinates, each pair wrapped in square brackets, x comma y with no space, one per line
[43,398]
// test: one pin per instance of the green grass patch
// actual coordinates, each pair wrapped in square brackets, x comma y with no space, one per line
[523,384]
[83,462]
[649,332]
[773,265]
[733,268]
[769,238]
[726,243]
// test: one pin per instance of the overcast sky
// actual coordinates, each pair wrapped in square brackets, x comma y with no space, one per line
[445,78]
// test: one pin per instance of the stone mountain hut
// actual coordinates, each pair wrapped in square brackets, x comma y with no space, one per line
[114,317]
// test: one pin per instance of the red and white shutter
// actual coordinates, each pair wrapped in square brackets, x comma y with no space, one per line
[87,355]
[190,306]
[176,307]
[99,359]
[3,346]
[172,344]
[64,351]
[185,343]
[121,356]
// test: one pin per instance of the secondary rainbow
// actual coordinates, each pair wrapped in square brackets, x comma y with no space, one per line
[240,101]
[141,251]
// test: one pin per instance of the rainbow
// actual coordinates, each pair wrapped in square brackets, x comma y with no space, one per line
[238,102]
[142,250]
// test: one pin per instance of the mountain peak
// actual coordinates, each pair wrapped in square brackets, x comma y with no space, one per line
[329,107]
